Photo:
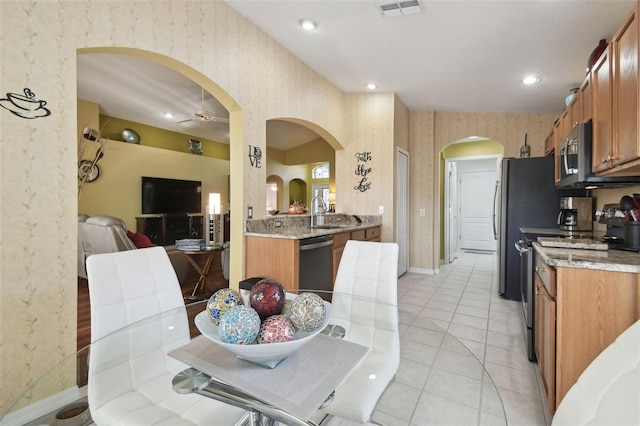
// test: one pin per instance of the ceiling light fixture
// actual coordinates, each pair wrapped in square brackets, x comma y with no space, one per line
[308,24]
[168,115]
[372,86]
[531,79]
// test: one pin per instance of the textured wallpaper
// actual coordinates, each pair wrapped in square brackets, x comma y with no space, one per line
[254,77]
[40,40]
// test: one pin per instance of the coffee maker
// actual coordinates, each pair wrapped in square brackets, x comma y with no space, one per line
[575,214]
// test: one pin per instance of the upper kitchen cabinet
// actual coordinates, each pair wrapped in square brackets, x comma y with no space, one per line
[614,81]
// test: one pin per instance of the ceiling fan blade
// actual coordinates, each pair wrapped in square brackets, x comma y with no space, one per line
[220,119]
[184,121]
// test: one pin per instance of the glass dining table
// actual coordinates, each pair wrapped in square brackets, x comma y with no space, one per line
[438,381]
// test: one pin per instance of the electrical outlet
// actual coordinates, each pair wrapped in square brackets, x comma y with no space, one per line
[381,209]
[422,212]
[277,223]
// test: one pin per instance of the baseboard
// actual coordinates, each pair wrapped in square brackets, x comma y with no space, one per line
[424,271]
[48,405]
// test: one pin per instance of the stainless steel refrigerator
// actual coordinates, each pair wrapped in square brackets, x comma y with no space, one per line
[526,197]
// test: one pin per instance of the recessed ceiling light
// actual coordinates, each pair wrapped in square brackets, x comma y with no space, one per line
[168,115]
[308,24]
[531,79]
[372,86]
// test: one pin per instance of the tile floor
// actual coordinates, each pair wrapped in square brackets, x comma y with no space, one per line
[463,300]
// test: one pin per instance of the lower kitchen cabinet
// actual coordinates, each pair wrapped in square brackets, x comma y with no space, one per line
[340,240]
[579,312]
[275,258]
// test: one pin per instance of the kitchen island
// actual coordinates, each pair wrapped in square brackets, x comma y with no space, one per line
[279,247]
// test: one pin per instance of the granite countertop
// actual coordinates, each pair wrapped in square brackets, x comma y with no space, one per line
[605,260]
[296,227]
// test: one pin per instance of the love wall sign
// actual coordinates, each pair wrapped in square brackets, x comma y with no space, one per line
[362,171]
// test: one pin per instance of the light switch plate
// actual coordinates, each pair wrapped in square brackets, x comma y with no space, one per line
[381,208]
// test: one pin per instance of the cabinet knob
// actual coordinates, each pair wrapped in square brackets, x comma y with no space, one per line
[538,292]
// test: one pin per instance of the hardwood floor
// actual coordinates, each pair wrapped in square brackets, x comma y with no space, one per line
[214,278]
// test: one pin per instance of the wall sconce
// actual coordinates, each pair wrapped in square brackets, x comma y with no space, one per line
[332,202]
[213,209]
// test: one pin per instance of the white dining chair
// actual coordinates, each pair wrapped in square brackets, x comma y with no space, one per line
[608,390]
[365,303]
[130,373]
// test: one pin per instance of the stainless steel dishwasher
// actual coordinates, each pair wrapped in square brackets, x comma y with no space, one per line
[315,265]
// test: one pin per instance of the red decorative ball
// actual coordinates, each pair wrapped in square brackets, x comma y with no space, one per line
[267,297]
[276,329]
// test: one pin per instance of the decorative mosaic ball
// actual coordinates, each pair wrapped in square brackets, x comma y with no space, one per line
[240,325]
[220,303]
[267,297]
[286,309]
[308,312]
[276,329]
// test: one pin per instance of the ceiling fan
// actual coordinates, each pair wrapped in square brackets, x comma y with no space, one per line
[204,115]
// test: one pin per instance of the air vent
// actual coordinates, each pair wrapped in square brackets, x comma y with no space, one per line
[410,7]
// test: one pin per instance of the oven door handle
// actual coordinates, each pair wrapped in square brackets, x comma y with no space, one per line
[521,247]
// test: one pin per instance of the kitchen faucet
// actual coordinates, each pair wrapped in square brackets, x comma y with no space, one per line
[315,210]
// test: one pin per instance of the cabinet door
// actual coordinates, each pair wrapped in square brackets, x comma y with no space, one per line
[549,146]
[545,341]
[337,255]
[625,96]
[601,89]
[152,227]
[584,101]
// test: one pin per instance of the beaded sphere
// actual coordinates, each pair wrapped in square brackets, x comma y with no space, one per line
[267,297]
[220,303]
[276,329]
[308,311]
[240,325]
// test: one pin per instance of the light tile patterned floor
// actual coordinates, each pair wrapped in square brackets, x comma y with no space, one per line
[463,300]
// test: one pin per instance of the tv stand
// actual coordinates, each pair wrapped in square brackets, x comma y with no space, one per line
[165,229]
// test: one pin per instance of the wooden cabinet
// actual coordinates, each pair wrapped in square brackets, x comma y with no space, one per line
[545,322]
[165,230]
[549,145]
[584,101]
[602,111]
[579,312]
[614,80]
[276,258]
[340,240]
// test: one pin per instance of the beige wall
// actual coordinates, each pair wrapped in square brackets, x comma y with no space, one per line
[433,131]
[251,75]
[371,120]
[117,192]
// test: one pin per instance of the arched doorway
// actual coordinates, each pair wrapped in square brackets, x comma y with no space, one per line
[468,175]
[235,137]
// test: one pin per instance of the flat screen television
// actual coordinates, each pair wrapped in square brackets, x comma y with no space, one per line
[170,196]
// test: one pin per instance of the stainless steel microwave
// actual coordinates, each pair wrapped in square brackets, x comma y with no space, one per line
[574,162]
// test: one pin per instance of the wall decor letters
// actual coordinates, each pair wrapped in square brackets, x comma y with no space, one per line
[255,156]
[25,106]
[362,170]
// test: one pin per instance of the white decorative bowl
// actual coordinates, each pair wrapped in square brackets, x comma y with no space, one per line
[266,354]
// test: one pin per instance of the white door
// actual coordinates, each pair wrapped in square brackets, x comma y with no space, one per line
[476,210]
[402,210]
[452,213]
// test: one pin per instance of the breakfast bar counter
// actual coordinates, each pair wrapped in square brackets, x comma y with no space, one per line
[298,227]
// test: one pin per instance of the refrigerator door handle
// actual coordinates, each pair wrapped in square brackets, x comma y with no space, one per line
[495,216]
